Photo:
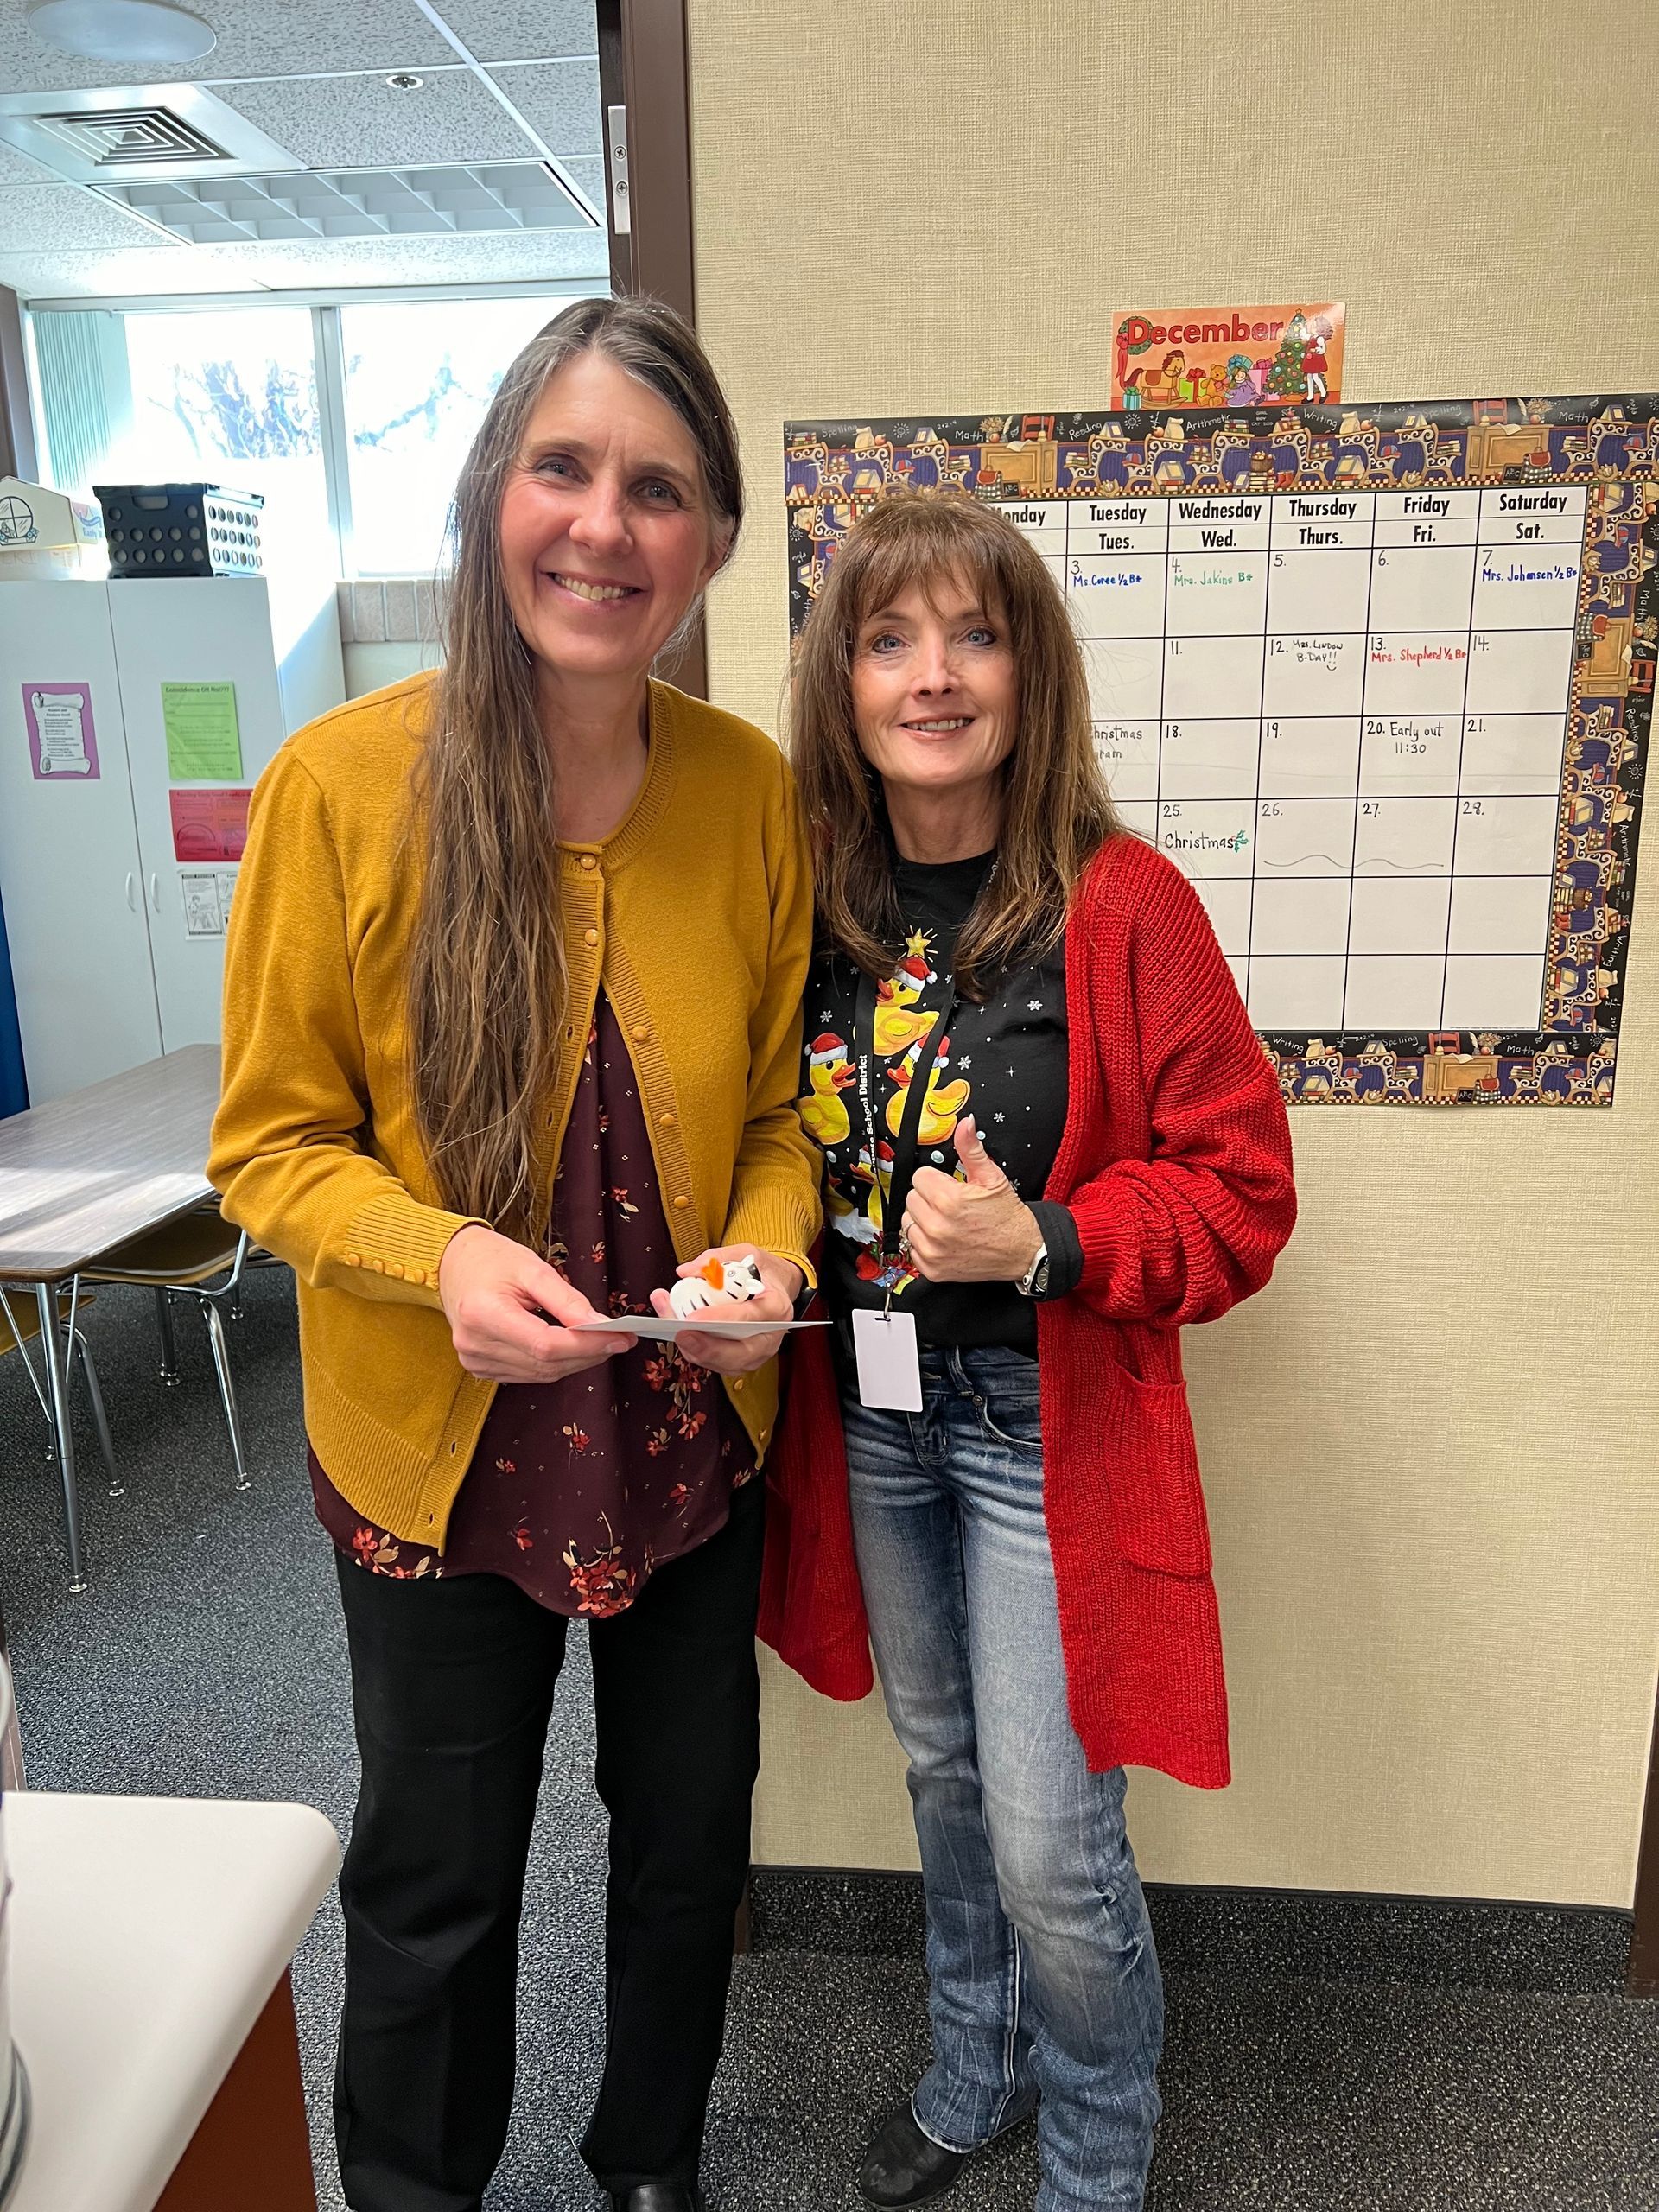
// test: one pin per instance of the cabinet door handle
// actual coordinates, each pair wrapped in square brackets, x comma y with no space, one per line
[132,893]
[155,893]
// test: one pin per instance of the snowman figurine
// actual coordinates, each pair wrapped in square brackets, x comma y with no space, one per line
[739,1279]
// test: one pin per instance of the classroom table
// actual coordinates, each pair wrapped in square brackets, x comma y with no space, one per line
[80,1175]
[151,1940]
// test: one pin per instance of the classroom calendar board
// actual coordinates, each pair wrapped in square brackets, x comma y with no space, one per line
[1378,678]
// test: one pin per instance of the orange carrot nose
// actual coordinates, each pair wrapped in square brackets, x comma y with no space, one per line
[713,1274]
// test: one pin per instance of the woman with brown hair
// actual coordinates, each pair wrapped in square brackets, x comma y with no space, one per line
[1057,1141]
[511,1026]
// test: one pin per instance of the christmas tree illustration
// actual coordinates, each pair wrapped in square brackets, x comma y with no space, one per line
[1284,377]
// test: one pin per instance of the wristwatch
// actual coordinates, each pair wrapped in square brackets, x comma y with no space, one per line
[1034,1281]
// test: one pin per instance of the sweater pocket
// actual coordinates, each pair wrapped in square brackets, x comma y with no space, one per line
[1154,1498]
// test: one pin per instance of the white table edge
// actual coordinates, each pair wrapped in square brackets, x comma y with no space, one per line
[125,2164]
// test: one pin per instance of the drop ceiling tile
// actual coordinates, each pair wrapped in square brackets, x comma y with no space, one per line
[361,122]
[560,100]
[43,217]
[17,168]
[152,275]
[256,38]
[484,259]
[522,30]
[313,264]
[591,176]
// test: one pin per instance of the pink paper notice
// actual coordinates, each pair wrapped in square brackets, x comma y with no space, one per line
[62,743]
[209,825]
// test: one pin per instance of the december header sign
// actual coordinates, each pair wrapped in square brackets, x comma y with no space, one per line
[1280,356]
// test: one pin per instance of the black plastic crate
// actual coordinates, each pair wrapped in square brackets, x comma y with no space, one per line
[180,529]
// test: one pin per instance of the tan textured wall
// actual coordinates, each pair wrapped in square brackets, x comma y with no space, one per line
[1430,1447]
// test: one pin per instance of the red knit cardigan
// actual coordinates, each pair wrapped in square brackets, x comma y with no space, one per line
[1175,1162]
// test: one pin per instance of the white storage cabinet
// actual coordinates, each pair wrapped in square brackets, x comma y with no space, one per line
[106,972]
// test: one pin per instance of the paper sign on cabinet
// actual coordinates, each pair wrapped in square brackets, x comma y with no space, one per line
[204,742]
[62,739]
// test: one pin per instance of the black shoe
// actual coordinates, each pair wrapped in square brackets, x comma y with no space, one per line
[658,2196]
[903,2166]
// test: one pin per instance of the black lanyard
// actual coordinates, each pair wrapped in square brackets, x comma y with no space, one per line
[905,1152]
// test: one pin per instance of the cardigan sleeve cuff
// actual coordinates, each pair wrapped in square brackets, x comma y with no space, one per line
[770,1221]
[1058,1227]
[397,1243]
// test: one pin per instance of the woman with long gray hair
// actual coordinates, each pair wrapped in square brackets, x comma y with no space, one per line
[511,1024]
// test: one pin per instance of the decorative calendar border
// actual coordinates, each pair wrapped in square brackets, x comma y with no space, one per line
[834,472]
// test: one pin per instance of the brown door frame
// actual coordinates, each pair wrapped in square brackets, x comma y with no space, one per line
[1642,1977]
[643,71]
[17,454]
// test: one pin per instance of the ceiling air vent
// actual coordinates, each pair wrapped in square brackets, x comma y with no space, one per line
[121,136]
[122,133]
[440,203]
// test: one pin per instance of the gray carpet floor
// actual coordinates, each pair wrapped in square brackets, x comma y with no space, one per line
[208,1658]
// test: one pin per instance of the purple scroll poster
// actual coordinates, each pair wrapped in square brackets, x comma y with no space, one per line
[62,739]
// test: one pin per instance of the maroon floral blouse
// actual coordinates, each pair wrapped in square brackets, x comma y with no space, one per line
[578,1488]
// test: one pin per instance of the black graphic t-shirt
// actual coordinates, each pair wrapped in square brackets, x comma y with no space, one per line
[1004,1063]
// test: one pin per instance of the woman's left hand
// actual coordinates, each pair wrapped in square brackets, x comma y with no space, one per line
[978,1231]
[738,1355]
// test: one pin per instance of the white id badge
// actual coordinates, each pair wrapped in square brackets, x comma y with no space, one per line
[889,1366]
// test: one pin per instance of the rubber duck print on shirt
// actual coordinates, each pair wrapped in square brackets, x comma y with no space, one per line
[942,1103]
[897,1025]
[822,1110]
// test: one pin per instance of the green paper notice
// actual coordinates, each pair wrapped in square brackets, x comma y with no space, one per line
[204,743]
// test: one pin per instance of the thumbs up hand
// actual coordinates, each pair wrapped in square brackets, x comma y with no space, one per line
[980,1231]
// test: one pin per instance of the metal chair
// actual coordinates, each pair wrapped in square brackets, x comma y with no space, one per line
[180,1260]
[20,1326]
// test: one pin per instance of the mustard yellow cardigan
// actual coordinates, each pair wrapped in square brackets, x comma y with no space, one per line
[696,914]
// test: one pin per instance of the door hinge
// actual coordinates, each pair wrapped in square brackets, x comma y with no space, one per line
[616,134]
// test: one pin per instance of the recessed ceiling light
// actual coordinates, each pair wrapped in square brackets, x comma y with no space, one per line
[402,80]
[122,30]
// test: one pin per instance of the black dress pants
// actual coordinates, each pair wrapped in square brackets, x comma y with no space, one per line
[452,1683]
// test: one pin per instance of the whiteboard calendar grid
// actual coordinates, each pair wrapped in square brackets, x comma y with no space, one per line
[1219,586]
[1378,680]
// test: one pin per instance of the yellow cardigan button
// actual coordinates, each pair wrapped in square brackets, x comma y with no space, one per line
[590,937]
[666,1120]
[681,1202]
[353,1259]
[640,1032]
[379,1266]
[396,1269]
[588,862]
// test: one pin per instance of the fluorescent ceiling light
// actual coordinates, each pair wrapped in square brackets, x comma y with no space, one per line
[122,30]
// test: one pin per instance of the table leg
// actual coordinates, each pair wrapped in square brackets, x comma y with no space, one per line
[55,1350]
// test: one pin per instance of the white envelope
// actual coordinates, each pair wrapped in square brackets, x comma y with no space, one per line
[648,1324]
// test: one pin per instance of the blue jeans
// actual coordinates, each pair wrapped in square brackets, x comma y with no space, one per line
[1043,1980]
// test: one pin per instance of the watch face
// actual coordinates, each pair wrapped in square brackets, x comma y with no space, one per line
[1039,1277]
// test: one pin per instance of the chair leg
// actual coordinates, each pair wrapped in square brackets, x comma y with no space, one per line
[227,1390]
[169,1348]
[101,1419]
